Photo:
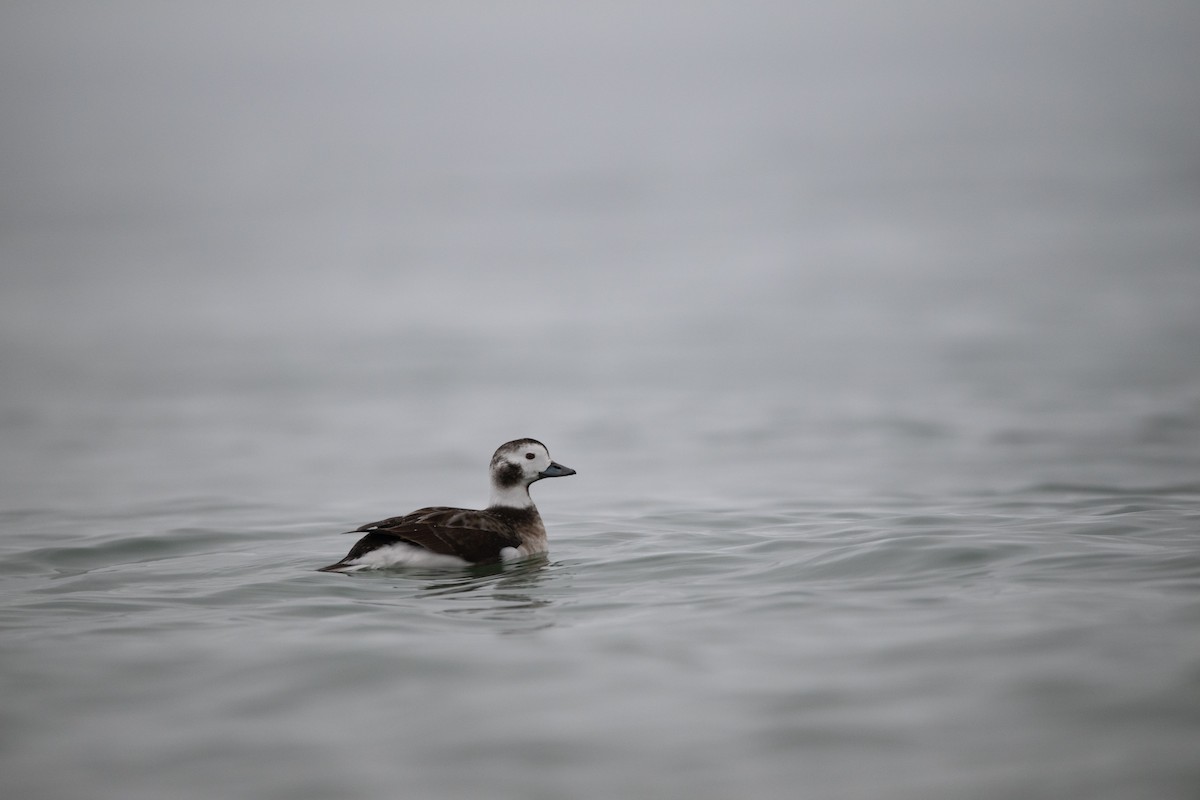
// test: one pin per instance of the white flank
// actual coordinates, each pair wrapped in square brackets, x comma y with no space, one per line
[405,555]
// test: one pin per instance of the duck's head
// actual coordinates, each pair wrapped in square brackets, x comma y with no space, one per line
[517,464]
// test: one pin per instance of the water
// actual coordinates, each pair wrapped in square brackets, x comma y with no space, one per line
[874,346]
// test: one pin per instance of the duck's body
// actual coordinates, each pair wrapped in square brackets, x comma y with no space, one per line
[510,527]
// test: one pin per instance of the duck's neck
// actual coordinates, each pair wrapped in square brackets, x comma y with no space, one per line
[511,496]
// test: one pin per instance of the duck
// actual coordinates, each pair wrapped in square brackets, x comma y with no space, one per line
[509,528]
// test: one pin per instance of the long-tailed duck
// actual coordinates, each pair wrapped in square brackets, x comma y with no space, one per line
[510,527]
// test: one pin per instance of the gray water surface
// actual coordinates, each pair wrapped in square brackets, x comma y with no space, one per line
[873,334]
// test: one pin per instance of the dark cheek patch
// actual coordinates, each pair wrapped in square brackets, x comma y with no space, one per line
[508,475]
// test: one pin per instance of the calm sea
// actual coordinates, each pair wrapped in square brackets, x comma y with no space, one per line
[873,334]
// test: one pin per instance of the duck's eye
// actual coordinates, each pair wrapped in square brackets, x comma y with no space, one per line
[529,456]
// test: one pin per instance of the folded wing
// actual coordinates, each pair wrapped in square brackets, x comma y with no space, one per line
[473,536]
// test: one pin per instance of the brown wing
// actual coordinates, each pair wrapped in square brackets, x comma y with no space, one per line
[441,516]
[469,544]
[474,536]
